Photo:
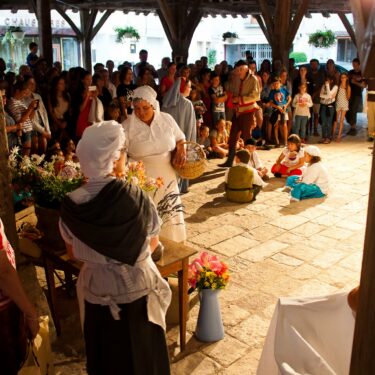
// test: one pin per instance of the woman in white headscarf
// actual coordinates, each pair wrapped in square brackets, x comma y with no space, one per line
[112,227]
[151,136]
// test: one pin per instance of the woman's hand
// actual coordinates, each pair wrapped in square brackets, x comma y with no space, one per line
[32,322]
[180,157]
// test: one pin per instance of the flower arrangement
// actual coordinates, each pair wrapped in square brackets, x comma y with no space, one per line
[46,182]
[126,32]
[322,39]
[135,174]
[207,272]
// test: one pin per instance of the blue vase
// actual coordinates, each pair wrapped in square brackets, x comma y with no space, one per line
[209,325]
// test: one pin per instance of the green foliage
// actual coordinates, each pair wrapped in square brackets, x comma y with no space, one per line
[228,35]
[123,32]
[299,57]
[46,182]
[211,55]
[322,39]
[15,29]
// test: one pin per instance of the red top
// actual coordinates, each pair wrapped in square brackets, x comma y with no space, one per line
[83,119]
[6,246]
[167,82]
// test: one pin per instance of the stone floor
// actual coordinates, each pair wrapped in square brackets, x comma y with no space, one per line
[274,248]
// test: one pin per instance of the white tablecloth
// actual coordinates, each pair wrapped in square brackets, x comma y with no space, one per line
[309,336]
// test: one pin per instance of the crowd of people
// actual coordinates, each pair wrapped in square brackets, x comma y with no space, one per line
[45,105]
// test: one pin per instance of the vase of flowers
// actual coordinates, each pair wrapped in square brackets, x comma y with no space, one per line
[208,275]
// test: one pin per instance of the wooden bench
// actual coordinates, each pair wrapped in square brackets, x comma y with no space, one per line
[174,260]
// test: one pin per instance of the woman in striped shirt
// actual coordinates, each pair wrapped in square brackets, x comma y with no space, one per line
[22,113]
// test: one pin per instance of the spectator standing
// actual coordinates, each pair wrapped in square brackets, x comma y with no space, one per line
[302,103]
[357,84]
[316,77]
[342,104]
[143,56]
[32,57]
[163,71]
[168,80]
[125,91]
[327,108]
[218,98]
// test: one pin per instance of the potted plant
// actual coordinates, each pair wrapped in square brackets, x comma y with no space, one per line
[126,32]
[230,36]
[322,39]
[208,275]
[17,32]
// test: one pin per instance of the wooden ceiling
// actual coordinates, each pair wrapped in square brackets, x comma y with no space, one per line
[210,7]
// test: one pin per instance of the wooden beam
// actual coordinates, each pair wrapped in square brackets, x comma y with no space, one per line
[266,14]
[260,21]
[44,28]
[74,27]
[296,22]
[33,6]
[101,22]
[347,26]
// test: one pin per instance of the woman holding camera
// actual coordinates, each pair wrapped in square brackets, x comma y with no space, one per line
[41,130]
[22,113]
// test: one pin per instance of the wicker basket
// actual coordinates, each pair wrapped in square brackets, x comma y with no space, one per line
[195,164]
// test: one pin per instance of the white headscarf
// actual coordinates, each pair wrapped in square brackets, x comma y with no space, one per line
[172,96]
[99,147]
[312,150]
[149,94]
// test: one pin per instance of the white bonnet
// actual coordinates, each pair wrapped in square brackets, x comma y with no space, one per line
[147,93]
[312,150]
[99,147]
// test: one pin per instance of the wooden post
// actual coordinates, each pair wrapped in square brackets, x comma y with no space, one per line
[280,27]
[363,359]
[347,26]
[179,22]
[87,25]
[44,28]
[6,200]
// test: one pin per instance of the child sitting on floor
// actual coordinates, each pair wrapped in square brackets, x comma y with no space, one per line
[219,139]
[242,182]
[255,162]
[204,139]
[291,159]
[314,182]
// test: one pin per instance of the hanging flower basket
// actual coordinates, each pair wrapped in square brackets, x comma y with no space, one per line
[126,33]
[230,37]
[322,39]
[18,35]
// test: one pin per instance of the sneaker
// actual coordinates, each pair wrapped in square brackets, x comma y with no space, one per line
[277,174]
[287,189]
[370,139]
[292,199]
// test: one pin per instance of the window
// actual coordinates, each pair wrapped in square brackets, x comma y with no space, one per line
[346,50]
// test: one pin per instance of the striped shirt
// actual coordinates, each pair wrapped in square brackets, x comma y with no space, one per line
[6,246]
[17,108]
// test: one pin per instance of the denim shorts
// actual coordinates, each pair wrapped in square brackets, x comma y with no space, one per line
[26,137]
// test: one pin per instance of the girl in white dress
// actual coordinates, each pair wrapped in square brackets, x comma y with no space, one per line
[342,105]
[151,136]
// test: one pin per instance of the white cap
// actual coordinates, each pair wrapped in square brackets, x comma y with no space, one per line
[312,150]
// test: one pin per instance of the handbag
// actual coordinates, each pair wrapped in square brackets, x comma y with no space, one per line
[39,360]
[13,333]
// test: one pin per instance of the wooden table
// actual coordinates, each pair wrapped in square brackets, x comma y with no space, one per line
[174,260]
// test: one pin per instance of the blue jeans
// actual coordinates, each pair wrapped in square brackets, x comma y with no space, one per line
[303,191]
[326,115]
[299,126]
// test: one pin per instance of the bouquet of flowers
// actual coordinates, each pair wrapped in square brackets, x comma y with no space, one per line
[135,174]
[46,183]
[207,272]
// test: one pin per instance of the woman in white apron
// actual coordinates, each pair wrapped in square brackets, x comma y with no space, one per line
[151,136]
